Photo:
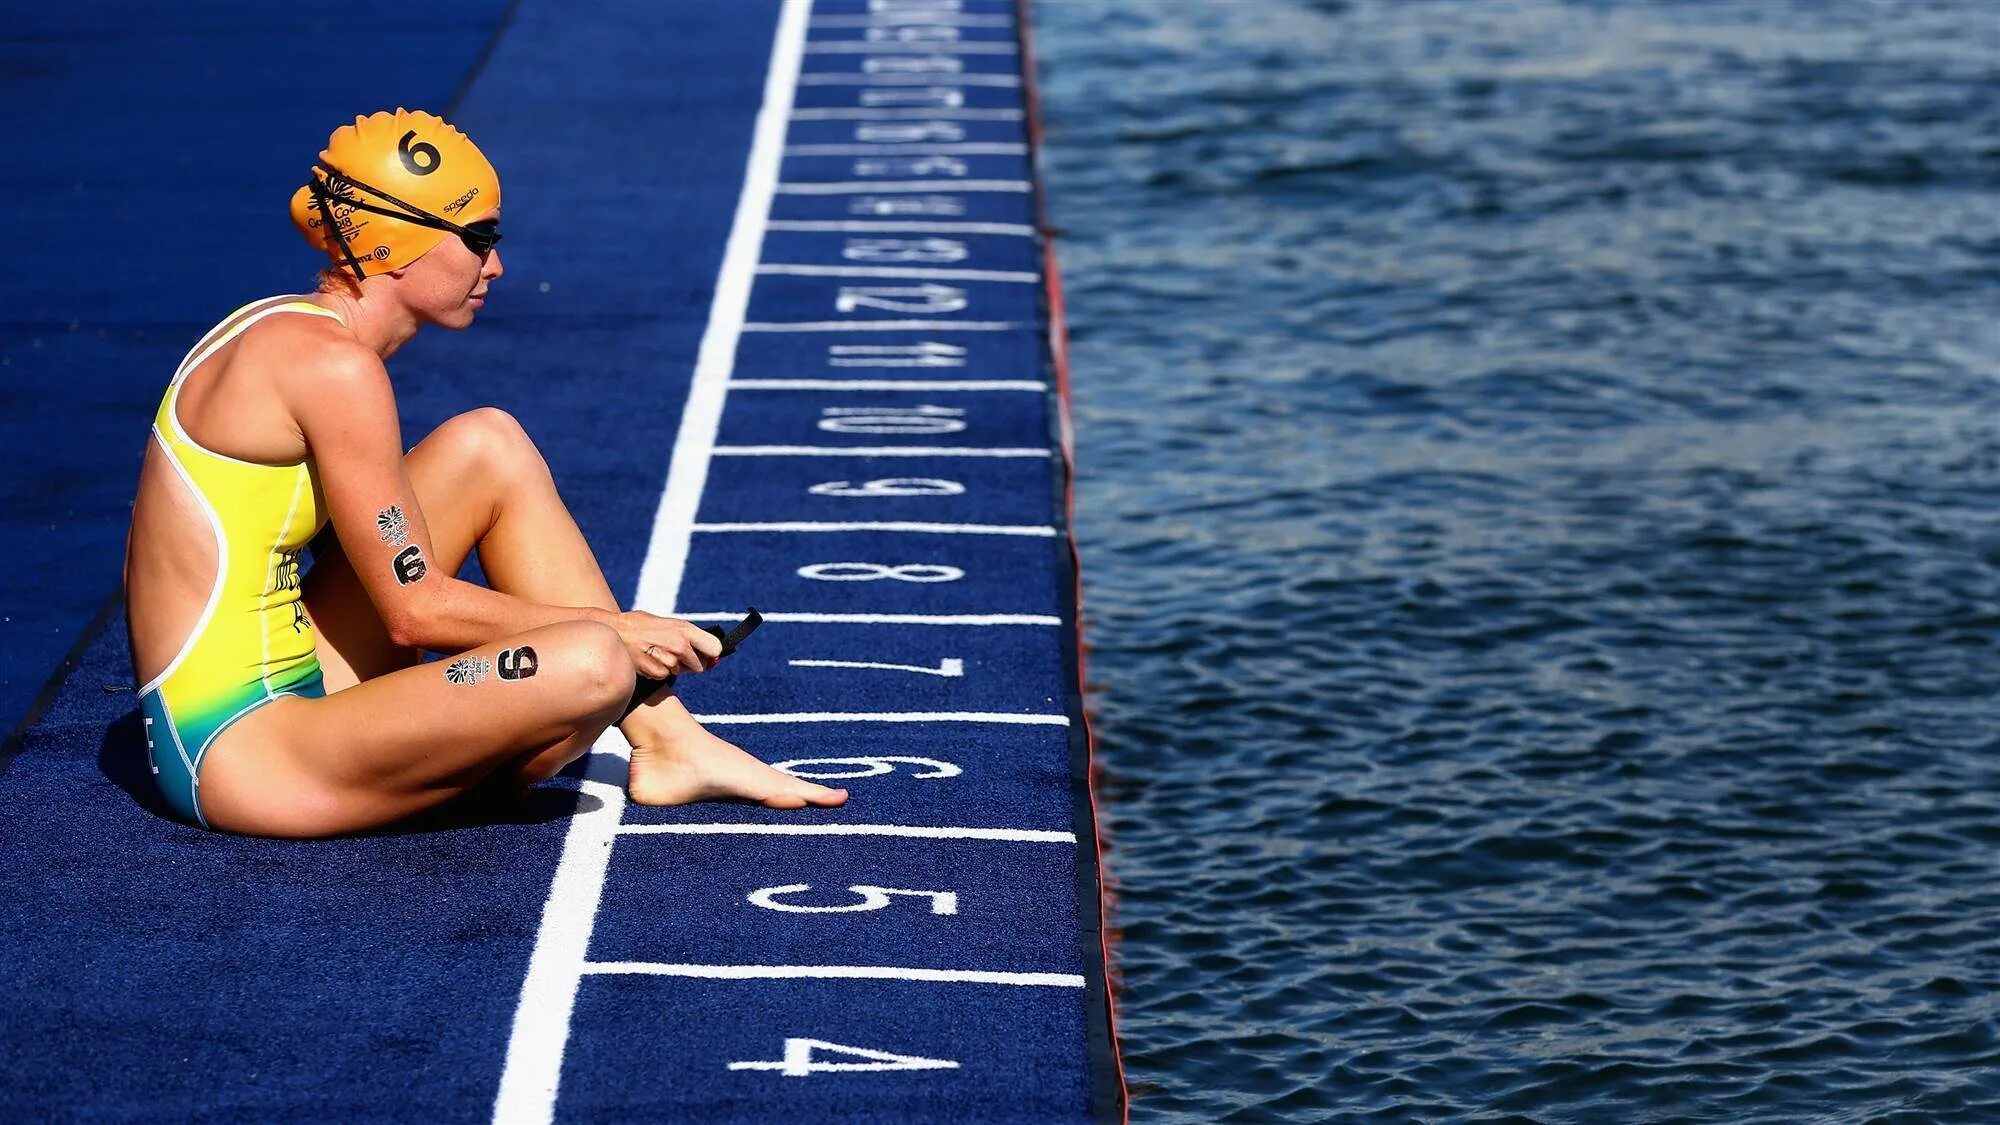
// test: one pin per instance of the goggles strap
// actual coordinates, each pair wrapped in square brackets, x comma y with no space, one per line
[410,213]
[337,180]
[321,196]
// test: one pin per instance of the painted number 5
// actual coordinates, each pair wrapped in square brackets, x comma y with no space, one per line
[872,898]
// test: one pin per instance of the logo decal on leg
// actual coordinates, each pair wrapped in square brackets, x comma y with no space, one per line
[517,663]
[467,670]
[410,565]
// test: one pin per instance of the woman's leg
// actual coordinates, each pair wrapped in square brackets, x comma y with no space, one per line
[407,741]
[482,483]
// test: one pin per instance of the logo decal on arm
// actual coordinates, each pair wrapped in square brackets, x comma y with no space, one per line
[517,663]
[391,526]
[410,565]
[467,670]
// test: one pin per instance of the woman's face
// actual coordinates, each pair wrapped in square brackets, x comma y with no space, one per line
[447,286]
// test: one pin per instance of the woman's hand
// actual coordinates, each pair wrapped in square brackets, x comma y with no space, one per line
[664,646]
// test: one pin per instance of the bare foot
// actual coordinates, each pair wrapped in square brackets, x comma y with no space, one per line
[675,761]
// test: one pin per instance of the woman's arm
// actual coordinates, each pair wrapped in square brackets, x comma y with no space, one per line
[346,409]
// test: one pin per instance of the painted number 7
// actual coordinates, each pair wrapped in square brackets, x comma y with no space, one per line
[950,668]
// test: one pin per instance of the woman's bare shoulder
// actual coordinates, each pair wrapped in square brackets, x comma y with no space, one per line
[315,364]
[305,345]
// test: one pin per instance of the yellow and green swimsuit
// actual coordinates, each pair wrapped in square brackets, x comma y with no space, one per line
[253,642]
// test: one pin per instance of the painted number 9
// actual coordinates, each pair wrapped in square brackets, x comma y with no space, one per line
[421,159]
[890,486]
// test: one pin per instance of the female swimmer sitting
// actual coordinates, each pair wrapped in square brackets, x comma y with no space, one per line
[280,707]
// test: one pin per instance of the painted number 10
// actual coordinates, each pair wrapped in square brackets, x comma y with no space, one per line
[889,486]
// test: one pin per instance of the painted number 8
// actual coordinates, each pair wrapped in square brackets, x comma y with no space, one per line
[421,159]
[871,572]
[890,486]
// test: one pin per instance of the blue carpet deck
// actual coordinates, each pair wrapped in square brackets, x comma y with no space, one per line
[821,387]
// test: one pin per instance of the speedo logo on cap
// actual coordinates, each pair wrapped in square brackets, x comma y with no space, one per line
[457,205]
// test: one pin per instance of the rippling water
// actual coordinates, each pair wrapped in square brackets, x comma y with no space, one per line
[1538,467]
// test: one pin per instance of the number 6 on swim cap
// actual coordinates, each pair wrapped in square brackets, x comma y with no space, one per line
[393,185]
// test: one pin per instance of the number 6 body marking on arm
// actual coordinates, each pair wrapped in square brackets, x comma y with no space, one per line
[410,565]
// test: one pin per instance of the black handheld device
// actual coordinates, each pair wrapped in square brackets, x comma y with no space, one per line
[646,685]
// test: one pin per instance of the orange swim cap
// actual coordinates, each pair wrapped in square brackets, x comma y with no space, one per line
[381,178]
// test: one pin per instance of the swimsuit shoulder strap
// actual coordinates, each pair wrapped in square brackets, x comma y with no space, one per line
[234,324]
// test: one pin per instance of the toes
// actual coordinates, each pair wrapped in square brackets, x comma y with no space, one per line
[816,795]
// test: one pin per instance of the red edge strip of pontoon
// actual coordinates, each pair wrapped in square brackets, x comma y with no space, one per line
[1108,1070]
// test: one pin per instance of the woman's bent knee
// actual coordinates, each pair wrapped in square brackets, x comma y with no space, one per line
[493,440]
[595,659]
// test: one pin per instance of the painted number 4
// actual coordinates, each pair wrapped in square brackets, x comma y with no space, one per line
[800,1060]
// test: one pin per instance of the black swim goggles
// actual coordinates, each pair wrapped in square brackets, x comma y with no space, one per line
[479,237]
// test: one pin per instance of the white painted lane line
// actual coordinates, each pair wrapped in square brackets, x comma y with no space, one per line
[887,385]
[911,831]
[902,148]
[925,528]
[884,326]
[843,972]
[871,451]
[862,47]
[904,113]
[891,717]
[885,618]
[540,1034]
[533,1068]
[870,226]
[847,78]
[890,187]
[789,270]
